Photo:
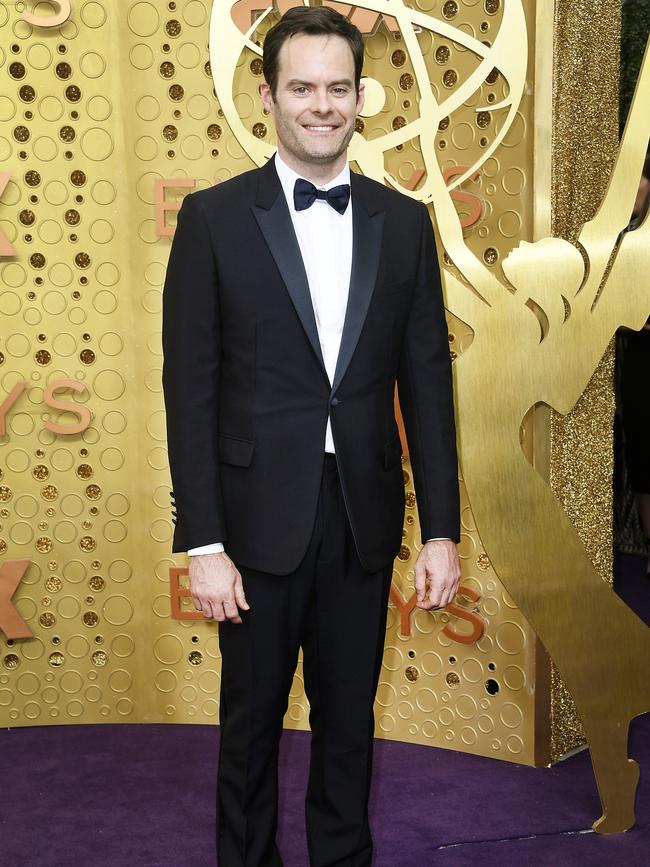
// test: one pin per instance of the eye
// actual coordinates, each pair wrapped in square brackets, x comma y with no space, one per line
[340,91]
[301,89]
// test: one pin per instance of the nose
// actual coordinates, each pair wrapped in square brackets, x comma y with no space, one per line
[321,104]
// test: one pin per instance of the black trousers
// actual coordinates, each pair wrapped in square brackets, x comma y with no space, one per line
[336,611]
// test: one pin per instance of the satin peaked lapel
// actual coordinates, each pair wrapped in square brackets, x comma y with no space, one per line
[367,231]
[274,220]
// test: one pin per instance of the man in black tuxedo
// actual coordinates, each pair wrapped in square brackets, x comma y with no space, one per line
[296,295]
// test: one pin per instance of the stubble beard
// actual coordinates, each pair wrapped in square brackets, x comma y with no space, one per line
[296,146]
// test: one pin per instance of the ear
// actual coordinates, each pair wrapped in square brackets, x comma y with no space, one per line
[266,96]
[361,97]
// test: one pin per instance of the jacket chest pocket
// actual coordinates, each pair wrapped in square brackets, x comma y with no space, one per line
[235,451]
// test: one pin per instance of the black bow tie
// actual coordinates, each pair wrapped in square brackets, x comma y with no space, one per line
[305,194]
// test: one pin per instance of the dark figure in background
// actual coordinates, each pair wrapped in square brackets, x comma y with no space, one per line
[635,389]
[296,295]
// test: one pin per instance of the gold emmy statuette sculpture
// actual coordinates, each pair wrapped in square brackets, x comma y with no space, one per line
[537,339]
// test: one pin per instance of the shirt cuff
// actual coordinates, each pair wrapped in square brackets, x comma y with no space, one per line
[214,548]
[439,539]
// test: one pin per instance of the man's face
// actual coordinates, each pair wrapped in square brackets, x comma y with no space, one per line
[315,103]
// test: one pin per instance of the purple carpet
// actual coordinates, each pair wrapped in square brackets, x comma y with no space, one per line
[143,796]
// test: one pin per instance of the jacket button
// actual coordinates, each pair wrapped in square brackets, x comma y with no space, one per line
[335,401]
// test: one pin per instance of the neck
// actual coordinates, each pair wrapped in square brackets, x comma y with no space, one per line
[317,173]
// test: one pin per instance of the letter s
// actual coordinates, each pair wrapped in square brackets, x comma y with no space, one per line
[79,409]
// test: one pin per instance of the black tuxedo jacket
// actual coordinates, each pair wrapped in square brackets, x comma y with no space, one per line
[247,396]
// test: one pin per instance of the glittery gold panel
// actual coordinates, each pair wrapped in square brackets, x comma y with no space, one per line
[94,113]
[581,445]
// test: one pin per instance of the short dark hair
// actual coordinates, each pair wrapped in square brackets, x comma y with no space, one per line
[313,21]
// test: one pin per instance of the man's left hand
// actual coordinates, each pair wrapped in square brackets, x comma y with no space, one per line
[437,574]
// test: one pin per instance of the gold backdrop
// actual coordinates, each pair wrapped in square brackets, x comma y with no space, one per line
[107,119]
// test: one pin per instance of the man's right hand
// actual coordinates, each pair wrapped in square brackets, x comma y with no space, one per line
[216,586]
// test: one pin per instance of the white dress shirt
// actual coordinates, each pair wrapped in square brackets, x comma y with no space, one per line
[325,241]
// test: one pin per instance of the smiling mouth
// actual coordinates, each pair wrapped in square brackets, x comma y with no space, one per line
[320,127]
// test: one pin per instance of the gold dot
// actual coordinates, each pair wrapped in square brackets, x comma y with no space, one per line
[450,78]
[411,673]
[170,133]
[214,132]
[11,661]
[404,553]
[450,9]
[17,70]
[167,69]
[63,70]
[259,130]
[53,584]
[78,178]
[173,27]
[443,53]
[96,583]
[490,255]
[84,471]
[398,57]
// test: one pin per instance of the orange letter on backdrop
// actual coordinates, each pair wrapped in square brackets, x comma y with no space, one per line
[8,402]
[79,409]
[176,592]
[11,623]
[407,606]
[162,206]
[474,201]
[477,624]
[6,247]
[244,12]
[65,8]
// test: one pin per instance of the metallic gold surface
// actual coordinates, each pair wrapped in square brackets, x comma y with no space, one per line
[581,442]
[458,121]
